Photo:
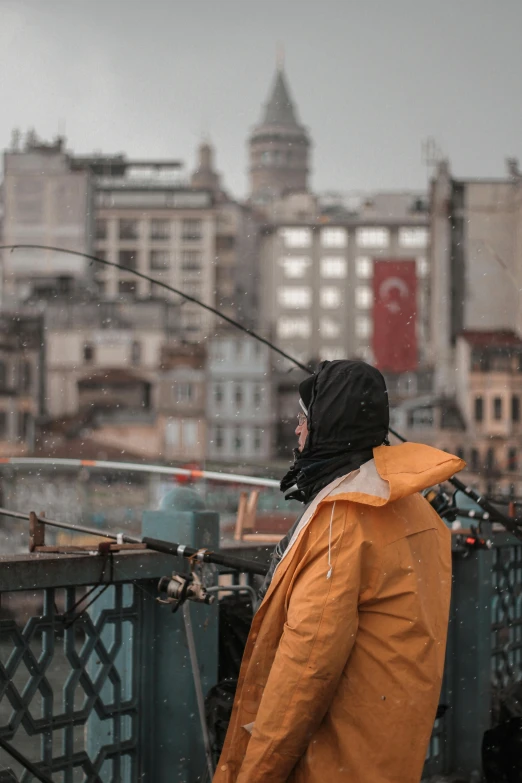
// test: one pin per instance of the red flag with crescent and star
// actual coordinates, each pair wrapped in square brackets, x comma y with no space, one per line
[395,315]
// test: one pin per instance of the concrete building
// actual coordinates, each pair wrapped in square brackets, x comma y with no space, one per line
[149,221]
[279,149]
[105,354]
[47,199]
[475,252]
[240,405]
[181,403]
[317,264]
[21,380]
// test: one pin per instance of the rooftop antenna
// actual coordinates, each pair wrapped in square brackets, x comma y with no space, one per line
[431,155]
[280,56]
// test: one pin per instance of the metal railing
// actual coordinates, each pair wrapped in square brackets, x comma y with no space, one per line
[107,694]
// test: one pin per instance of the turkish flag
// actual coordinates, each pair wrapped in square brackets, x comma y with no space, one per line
[395,315]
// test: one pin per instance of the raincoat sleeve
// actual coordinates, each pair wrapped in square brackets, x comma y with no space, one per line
[318,637]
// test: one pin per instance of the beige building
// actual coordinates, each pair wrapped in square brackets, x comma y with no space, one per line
[147,221]
[47,199]
[475,259]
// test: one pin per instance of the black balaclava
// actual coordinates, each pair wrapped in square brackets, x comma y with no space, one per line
[348,415]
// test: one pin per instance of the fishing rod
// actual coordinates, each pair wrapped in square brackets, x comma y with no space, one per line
[155,544]
[511,525]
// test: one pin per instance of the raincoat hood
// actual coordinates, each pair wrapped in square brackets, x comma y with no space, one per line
[347,405]
[395,472]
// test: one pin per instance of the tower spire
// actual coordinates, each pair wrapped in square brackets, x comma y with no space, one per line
[280,56]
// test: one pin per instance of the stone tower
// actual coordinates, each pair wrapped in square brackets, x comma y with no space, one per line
[279,148]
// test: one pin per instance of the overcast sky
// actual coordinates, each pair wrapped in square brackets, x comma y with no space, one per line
[371,80]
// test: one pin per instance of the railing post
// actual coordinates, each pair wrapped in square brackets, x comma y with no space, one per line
[172,742]
[470,686]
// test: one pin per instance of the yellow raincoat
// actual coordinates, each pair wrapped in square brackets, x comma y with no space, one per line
[342,670]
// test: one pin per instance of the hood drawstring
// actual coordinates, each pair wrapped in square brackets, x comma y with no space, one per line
[330,567]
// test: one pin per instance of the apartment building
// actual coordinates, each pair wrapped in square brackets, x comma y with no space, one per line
[329,270]
[47,199]
[240,403]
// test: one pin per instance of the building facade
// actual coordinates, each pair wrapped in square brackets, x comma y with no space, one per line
[47,199]
[475,250]
[317,273]
[240,406]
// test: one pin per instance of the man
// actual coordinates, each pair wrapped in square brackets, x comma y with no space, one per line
[342,670]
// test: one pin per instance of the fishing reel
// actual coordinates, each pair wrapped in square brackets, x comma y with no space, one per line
[442,503]
[176,589]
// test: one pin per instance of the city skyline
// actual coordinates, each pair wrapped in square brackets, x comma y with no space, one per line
[154,79]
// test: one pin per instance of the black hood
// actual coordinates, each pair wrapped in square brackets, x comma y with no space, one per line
[348,409]
[348,415]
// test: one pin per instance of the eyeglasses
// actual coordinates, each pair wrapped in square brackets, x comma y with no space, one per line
[301,418]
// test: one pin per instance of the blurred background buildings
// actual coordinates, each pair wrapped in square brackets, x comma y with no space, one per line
[96,362]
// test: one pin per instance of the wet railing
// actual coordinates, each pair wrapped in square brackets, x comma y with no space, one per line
[105,692]
[96,681]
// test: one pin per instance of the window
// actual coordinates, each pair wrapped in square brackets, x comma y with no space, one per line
[497,408]
[332,352]
[295,297]
[373,237]
[159,259]
[334,237]
[26,377]
[3,375]
[191,261]
[24,424]
[515,408]
[422,418]
[191,230]
[294,327]
[190,432]
[136,352]
[128,229]
[257,396]
[330,298]
[258,438]
[3,424]
[238,439]
[364,267]
[474,460]
[423,267]
[100,229]
[218,393]
[333,267]
[127,287]
[191,322]
[128,258]
[184,391]
[363,297]
[363,327]
[296,237]
[88,353]
[218,438]
[413,237]
[238,395]
[172,433]
[329,328]
[490,460]
[479,409]
[295,267]
[512,459]
[159,229]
